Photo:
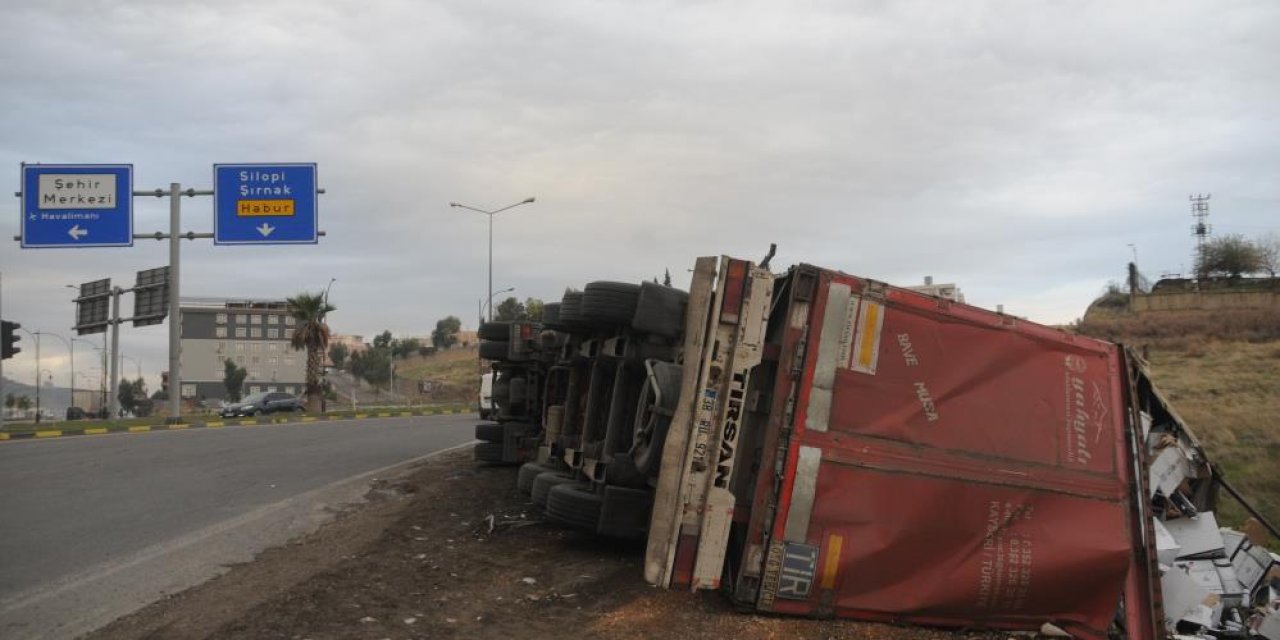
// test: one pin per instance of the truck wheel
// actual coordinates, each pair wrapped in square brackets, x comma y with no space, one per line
[551,315]
[489,452]
[491,432]
[609,304]
[497,330]
[660,310]
[575,504]
[529,471]
[624,513]
[656,406]
[542,485]
[571,310]
[493,350]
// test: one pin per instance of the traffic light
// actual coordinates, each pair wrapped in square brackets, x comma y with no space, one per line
[9,339]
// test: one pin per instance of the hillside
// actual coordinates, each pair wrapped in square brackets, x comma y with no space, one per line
[454,375]
[1221,371]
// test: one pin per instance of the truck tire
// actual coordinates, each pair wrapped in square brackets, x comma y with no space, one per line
[575,504]
[624,512]
[529,471]
[660,310]
[551,315]
[609,304]
[491,432]
[489,452]
[493,350]
[497,330]
[571,310]
[542,484]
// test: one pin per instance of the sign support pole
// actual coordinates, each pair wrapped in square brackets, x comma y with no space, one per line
[114,399]
[175,321]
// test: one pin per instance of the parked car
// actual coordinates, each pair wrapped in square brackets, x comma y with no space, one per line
[76,413]
[263,403]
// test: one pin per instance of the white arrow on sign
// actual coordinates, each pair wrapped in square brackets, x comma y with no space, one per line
[265,229]
[76,232]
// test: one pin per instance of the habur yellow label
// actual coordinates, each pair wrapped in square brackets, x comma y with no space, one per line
[250,208]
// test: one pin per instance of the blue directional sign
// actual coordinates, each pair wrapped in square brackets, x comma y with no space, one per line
[81,205]
[264,203]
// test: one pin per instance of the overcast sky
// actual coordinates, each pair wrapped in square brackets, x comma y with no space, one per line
[1015,148]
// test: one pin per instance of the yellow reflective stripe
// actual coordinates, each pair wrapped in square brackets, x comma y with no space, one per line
[866,348]
[831,566]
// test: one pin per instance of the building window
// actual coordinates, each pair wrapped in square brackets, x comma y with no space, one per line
[256,347]
[255,359]
[221,318]
[253,373]
[271,388]
[273,319]
[253,388]
[273,333]
[239,346]
[219,332]
[239,359]
[255,332]
[289,321]
[241,318]
[188,391]
[255,319]
[273,346]
[241,332]
[273,360]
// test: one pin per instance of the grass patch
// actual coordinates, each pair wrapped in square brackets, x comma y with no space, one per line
[454,374]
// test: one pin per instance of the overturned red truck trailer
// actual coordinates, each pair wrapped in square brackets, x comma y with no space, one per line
[843,448]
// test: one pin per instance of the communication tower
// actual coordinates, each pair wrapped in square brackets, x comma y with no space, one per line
[1201,229]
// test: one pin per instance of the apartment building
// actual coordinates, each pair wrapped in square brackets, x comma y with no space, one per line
[252,333]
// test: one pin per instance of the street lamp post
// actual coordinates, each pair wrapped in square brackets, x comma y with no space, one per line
[481,304]
[491,214]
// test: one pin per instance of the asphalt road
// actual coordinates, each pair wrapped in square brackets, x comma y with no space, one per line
[92,527]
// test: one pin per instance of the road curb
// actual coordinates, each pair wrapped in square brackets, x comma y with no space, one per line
[47,434]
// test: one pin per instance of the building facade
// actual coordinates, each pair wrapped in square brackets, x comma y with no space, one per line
[252,333]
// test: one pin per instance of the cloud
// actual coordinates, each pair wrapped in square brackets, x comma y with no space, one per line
[1014,148]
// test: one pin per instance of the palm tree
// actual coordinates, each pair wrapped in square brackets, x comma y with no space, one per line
[311,333]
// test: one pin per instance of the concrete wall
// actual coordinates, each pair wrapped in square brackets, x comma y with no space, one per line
[1207,300]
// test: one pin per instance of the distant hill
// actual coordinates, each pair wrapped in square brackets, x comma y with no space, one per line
[55,398]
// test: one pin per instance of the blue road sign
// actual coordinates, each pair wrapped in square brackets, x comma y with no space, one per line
[80,205]
[264,203]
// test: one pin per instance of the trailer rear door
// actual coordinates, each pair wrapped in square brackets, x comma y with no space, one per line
[948,465]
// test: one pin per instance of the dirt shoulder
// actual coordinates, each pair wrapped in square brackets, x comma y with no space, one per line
[420,560]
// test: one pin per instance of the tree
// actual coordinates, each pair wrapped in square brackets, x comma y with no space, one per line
[1269,245]
[312,334]
[382,340]
[24,403]
[446,333]
[338,354]
[666,278]
[9,400]
[509,310]
[233,379]
[404,348]
[533,309]
[1231,256]
[375,366]
[131,395]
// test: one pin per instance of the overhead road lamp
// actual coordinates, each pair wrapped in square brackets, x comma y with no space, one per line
[491,214]
[480,304]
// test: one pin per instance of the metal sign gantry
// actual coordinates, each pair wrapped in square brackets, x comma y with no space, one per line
[87,204]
